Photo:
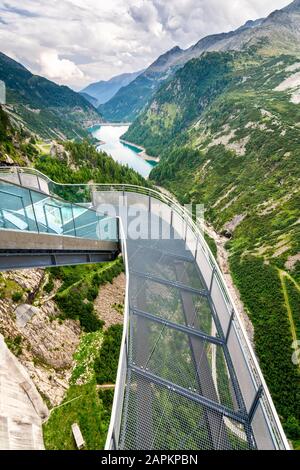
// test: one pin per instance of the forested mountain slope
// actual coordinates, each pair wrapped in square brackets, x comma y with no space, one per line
[128,102]
[16,142]
[227,129]
[50,110]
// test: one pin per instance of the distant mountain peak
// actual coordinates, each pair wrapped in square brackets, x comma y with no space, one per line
[167,59]
[276,34]
[174,49]
[103,90]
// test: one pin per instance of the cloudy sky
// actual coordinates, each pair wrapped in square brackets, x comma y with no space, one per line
[75,42]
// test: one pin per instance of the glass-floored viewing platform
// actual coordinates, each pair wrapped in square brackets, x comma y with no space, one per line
[187,378]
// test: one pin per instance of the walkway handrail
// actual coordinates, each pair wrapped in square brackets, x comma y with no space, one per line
[112,439]
[269,410]
[254,368]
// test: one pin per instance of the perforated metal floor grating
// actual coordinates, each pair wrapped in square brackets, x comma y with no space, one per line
[181,391]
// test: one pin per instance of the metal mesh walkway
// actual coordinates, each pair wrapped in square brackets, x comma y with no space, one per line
[187,376]
[181,391]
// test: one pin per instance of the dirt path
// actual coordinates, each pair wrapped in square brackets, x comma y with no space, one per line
[106,387]
[282,276]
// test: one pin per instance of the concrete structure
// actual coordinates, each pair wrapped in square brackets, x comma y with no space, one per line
[78,436]
[22,410]
[2,93]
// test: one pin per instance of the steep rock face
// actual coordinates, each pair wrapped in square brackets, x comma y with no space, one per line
[129,100]
[293,7]
[15,140]
[44,345]
[109,303]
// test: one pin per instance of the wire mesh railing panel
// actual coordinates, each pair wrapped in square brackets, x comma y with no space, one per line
[178,225]
[245,380]
[204,266]
[220,306]
[262,430]
[191,241]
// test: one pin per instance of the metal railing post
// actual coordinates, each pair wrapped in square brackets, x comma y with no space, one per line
[255,403]
[25,212]
[46,218]
[229,326]
[33,210]
[61,219]
[212,280]
[3,218]
[196,250]
[19,177]
[119,233]
[38,182]
[74,225]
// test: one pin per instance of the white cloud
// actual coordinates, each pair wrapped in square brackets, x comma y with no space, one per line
[79,41]
[62,70]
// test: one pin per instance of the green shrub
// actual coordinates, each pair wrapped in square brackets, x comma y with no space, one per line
[106,365]
[49,286]
[292,427]
[17,296]
[73,305]
[80,287]
[15,345]
[107,397]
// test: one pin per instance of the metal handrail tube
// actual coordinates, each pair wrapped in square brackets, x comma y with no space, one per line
[119,391]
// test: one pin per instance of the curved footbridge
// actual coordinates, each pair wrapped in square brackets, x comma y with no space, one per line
[188,377]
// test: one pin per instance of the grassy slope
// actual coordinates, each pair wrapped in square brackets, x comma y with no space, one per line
[234,145]
[87,410]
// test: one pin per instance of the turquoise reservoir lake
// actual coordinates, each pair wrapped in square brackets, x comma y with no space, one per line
[120,152]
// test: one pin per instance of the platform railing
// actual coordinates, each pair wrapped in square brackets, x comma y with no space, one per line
[259,403]
[257,398]
[22,208]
